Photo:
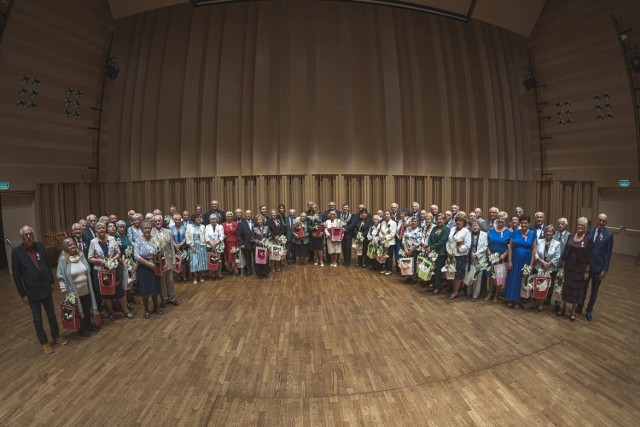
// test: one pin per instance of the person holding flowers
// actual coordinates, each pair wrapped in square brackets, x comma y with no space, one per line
[361,229]
[126,258]
[316,226]
[334,229]
[388,229]
[260,237]
[300,239]
[178,237]
[145,253]
[195,238]
[458,243]
[411,245]
[231,246]
[576,260]
[547,259]
[104,254]
[214,235]
[477,260]
[498,237]
[521,254]
[74,278]
[163,239]
[277,229]
[376,247]
[438,244]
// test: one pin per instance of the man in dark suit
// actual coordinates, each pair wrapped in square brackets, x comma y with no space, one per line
[215,209]
[245,231]
[539,225]
[602,240]
[129,222]
[90,232]
[488,224]
[76,235]
[34,282]
[289,224]
[347,237]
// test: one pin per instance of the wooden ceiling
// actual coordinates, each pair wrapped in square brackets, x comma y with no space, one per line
[518,16]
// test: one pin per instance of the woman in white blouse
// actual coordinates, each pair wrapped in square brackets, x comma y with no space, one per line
[459,243]
[477,257]
[547,258]
[214,235]
[334,248]
[388,232]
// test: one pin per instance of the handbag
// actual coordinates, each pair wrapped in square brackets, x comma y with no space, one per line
[69,316]
[261,255]
[406,266]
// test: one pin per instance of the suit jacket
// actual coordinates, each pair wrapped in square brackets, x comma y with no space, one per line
[35,283]
[87,236]
[438,241]
[288,226]
[361,226]
[486,225]
[348,227]
[244,235]
[168,248]
[601,250]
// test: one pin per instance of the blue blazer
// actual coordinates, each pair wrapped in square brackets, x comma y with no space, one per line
[602,248]
[30,281]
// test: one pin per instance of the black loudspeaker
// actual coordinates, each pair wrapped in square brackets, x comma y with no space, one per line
[529,83]
[111,71]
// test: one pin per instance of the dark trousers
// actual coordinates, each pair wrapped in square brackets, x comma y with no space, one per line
[248,258]
[346,250]
[36,312]
[262,269]
[388,263]
[363,259]
[437,274]
[594,278]
[85,323]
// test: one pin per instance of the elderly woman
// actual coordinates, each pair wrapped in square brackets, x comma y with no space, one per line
[134,232]
[334,248]
[498,236]
[458,243]
[576,259]
[477,258]
[260,235]
[547,259]
[214,235]
[230,229]
[126,253]
[179,238]
[361,227]
[277,228]
[300,241]
[317,235]
[101,249]
[375,239]
[388,229]
[148,281]
[412,239]
[74,277]
[437,243]
[522,250]
[195,238]
[514,225]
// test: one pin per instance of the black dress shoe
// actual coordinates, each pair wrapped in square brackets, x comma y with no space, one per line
[163,304]
[174,302]
[158,311]
[85,333]
[147,315]
[589,316]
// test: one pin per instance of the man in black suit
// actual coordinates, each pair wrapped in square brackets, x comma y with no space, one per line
[601,251]
[90,232]
[34,282]
[263,211]
[488,224]
[215,209]
[347,237]
[289,223]
[129,222]
[239,215]
[539,225]
[245,231]
[76,235]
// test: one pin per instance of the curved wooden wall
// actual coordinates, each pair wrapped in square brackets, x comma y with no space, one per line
[296,87]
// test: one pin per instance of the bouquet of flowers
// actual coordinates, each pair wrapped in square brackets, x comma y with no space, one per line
[167,218]
[219,249]
[480,267]
[387,236]
[70,299]
[282,239]
[557,291]
[297,227]
[493,258]
[449,268]
[69,310]
[358,242]
[159,261]
[526,282]
[317,226]
[110,264]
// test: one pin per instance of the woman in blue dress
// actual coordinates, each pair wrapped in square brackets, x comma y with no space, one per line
[195,238]
[498,238]
[522,251]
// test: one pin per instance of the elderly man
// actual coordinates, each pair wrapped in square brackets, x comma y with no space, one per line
[347,238]
[214,209]
[129,221]
[34,282]
[435,210]
[395,215]
[165,238]
[415,210]
[76,235]
[493,216]
[602,248]
[289,223]
[245,231]
[448,219]
[89,232]
[539,225]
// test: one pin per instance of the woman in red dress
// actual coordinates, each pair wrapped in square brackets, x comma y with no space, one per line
[231,241]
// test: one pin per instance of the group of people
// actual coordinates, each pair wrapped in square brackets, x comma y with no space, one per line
[105,260]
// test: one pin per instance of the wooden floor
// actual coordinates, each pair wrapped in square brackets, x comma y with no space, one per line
[322,346]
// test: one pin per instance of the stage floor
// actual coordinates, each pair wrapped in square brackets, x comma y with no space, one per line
[328,346]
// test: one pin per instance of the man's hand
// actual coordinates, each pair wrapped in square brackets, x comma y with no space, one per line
[602,275]
[25,300]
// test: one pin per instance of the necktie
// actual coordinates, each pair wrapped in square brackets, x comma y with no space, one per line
[599,235]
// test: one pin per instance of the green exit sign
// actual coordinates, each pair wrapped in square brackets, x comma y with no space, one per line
[4,186]
[622,183]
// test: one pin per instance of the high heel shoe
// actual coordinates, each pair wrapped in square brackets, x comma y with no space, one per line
[560,312]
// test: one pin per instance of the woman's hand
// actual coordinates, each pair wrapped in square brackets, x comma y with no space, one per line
[509,265]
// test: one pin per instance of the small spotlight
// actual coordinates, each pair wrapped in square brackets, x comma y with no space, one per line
[66,113]
[599,117]
[607,105]
[35,81]
[570,121]
[597,97]
[33,106]
[560,123]
[77,104]
[598,107]
[609,115]
[22,91]
[24,78]
[76,115]
[69,91]
[68,102]
[34,93]
[606,95]
[79,94]
[21,103]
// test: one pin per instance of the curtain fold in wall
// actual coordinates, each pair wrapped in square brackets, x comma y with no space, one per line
[60,205]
